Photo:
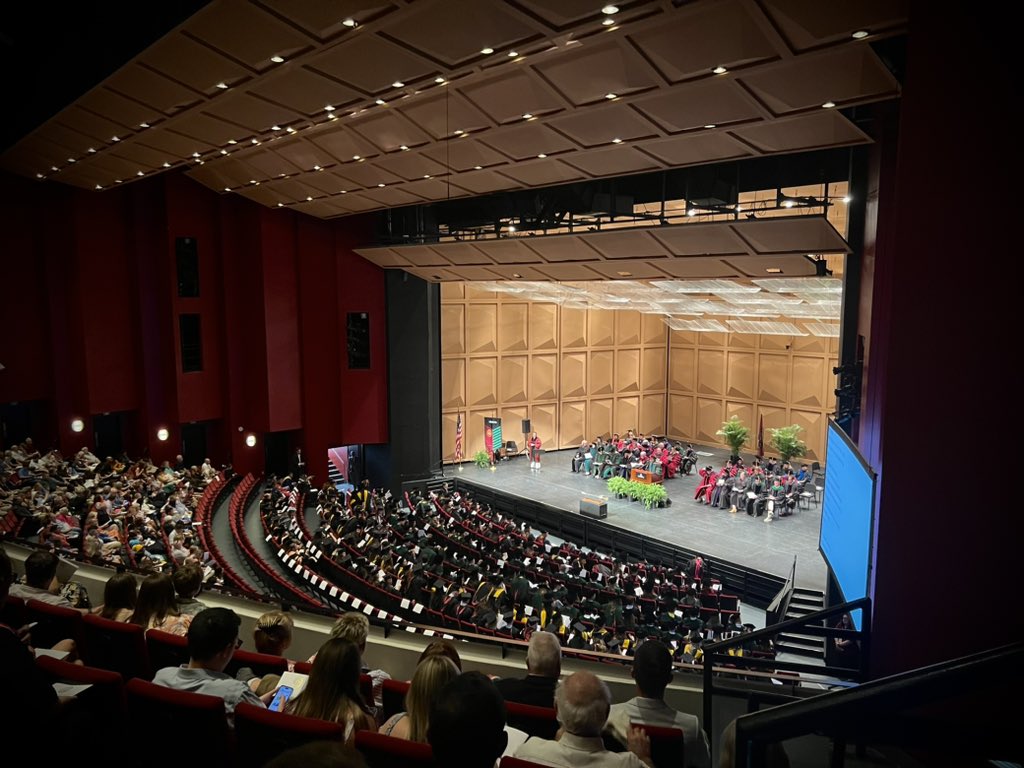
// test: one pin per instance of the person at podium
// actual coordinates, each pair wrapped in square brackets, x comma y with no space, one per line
[534,447]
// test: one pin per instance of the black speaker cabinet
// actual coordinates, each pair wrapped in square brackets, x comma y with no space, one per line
[526,426]
[594,508]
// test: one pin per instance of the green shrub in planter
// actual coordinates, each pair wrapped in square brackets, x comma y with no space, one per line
[653,494]
[481,459]
[786,441]
[618,486]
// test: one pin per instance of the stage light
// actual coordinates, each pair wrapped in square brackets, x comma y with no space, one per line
[77,425]
[250,440]
[162,434]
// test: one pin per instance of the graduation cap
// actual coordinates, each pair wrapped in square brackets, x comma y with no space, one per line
[438,584]
[613,645]
[507,615]
[579,627]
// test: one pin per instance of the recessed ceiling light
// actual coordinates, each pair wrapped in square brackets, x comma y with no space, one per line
[167,165]
[616,140]
[516,274]
[53,167]
[846,198]
[398,84]
[143,125]
[608,22]
[710,125]
[117,181]
[99,186]
[611,96]
[289,129]
[719,70]
[350,23]
[223,151]
[404,148]
[513,54]
[773,270]
[328,108]
[380,102]
[511,228]
[475,168]
[439,80]
[71,159]
[255,141]
[195,154]
[344,191]
[139,173]
[382,184]
[487,51]
[828,104]
[610,9]
[39,176]
[280,204]
[624,274]
[222,86]
[426,176]
[788,203]
[317,168]
[227,189]
[308,199]
[114,138]
[860,34]
[277,59]
[92,150]
[458,132]
[252,181]
[527,116]
[232,141]
[355,157]
[541,155]
[275,127]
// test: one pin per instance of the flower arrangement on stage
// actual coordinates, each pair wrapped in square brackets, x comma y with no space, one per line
[651,494]
[481,459]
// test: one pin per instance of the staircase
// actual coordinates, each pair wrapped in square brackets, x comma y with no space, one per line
[803,602]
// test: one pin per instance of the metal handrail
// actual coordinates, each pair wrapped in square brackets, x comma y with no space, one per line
[719,649]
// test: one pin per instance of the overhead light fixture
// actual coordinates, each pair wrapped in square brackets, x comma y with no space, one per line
[541,155]
[309,199]
[53,168]
[382,184]
[513,54]
[71,159]
[143,125]
[91,150]
[828,105]
[289,129]
[616,140]
[252,181]
[511,227]
[611,96]
[40,176]
[691,212]
[487,51]
[607,22]
[710,125]
[356,157]
[624,274]
[439,80]
[275,127]
[773,270]
[223,151]
[398,84]
[317,168]
[162,434]
[404,148]
[458,132]
[350,23]
[222,86]
[426,176]
[277,59]
[380,102]
[77,425]
[609,10]
[195,154]
[255,141]
[328,108]
[846,198]
[99,186]
[139,173]
[475,168]
[232,141]
[167,165]
[344,191]
[860,34]
[250,440]
[788,203]
[280,205]
[227,189]
[527,116]
[719,70]
[114,138]
[516,275]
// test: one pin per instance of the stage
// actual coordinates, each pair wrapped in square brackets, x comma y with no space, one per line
[739,538]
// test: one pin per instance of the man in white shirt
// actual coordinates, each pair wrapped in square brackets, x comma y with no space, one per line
[582,702]
[212,641]
[652,671]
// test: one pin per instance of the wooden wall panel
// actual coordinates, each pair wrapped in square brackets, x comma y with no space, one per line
[740,375]
[745,412]
[681,417]
[655,332]
[574,374]
[483,381]
[573,422]
[601,327]
[453,329]
[772,378]
[602,366]
[543,377]
[448,422]
[512,379]
[512,423]
[512,327]
[683,369]
[627,370]
[627,328]
[718,340]
[543,326]
[627,414]
[453,383]
[710,415]
[544,421]
[808,376]
[653,369]
[482,328]
[711,372]
[600,418]
[652,414]
[574,328]
[813,423]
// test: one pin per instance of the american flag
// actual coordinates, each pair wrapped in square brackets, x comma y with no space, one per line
[458,438]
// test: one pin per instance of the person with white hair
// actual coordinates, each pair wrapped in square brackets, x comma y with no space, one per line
[582,702]
[543,668]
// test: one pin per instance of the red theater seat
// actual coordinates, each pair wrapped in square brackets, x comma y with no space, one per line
[383,751]
[261,735]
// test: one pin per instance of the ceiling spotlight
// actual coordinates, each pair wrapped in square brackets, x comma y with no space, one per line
[309,199]
[255,141]
[99,186]
[252,181]
[356,157]
[487,51]
[39,176]
[53,168]
[773,270]
[250,440]
[513,54]
[143,125]
[860,34]
[328,108]
[458,132]
[317,168]
[846,198]
[380,102]
[280,205]
[71,159]
[719,70]
[527,116]
[710,125]
[439,80]
[398,84]
[114,138]
[611,96]
[289,129]
[607,22]
[426,176]
[195,154]
[92,150]
[344,191]
[350,23]
[541,155]
[475,168]
[381,185]
[223,151]
[77,425]
[167,165]
[139,173]
[608,10]
[404,148]
[624,274]
[511,227]
[222,86]
[828,105]
[277,59]
[616,140]
[232,141]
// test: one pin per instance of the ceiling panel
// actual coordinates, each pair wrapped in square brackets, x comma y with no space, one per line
[699,240]
[256,115]
[96,127]
[809,25]
[629,270]
[265,36]
[539,173]
[267,164]
[465,155]
[324,18]
[192,64]
[796,234]
[371,63]
[591,73]
[615,161]
[304,91]
[344,145]
[206,128]
[697,148]
[601,125]
[696,266]
[625,244]
[557,248]
[527,141]
[443,113]
[462,254]
[827,128]
[117,108]
[388,130]
[717,102]
[511,95]
[506,251]
[410,165]
[758,266]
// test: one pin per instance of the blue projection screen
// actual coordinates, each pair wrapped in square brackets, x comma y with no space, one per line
[847,516]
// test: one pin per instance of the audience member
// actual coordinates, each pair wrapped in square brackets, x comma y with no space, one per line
[543,668]
[652,671]
[583,701]
[157,608]
[120,594]
[332,692]
[212,641]
[41,580]
[442,648]
[467,723]
[432,674]
[273,633]
[188,581]
[355,627]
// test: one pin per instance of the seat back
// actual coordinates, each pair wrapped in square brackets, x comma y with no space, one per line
[393,696]
[165,649]
[366,688]
[303,667]
[13,612]
[383,751]
[260,663]
[53,623]
[536,721]
[667,746]
[115,645]
[261,735]
[196,717]
[82,724]
[518,762]
[106,693]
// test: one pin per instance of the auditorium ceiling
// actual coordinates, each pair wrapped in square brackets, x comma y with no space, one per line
[335,108]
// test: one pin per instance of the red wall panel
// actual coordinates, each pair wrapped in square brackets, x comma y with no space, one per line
[281,319]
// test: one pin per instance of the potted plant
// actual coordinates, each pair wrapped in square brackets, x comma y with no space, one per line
[787,443]
[735,435]
[618,486]
[481,459]
[653,494]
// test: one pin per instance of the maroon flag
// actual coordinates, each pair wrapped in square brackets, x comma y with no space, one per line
[760,439]
[458,439]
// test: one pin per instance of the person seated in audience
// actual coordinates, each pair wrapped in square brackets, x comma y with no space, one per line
[157,608]
[355,628]
[442,648]
[543,668]
[272,633]
[319,754]
[582,702]
[652,671]
[188,582]
[119,596]
[41,581]
[332,693]
[467,723]
[431,675]
[212,641]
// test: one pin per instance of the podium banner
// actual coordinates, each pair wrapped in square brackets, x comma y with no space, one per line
[492,434]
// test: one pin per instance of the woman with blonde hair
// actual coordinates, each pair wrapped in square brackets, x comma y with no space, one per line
[432,674]
[332,693]
[273,633]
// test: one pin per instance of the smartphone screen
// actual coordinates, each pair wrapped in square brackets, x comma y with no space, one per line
[281,698]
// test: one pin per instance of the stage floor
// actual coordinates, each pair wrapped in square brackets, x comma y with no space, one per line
[739,538]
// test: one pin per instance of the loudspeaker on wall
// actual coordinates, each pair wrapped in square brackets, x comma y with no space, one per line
[526,426]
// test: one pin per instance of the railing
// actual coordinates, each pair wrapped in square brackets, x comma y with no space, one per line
[718,651]
[877,713]
[776,612]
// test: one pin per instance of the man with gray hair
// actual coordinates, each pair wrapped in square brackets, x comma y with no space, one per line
[543,668]
[582,701]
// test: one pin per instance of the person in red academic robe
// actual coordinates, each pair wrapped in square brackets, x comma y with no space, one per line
[706,484]
[534,446]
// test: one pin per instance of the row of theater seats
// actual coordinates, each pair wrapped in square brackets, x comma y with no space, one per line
[259,735]
[201,520]
[241,500]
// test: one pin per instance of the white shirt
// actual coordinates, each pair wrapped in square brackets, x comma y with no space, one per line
[573,751]
[657,712]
